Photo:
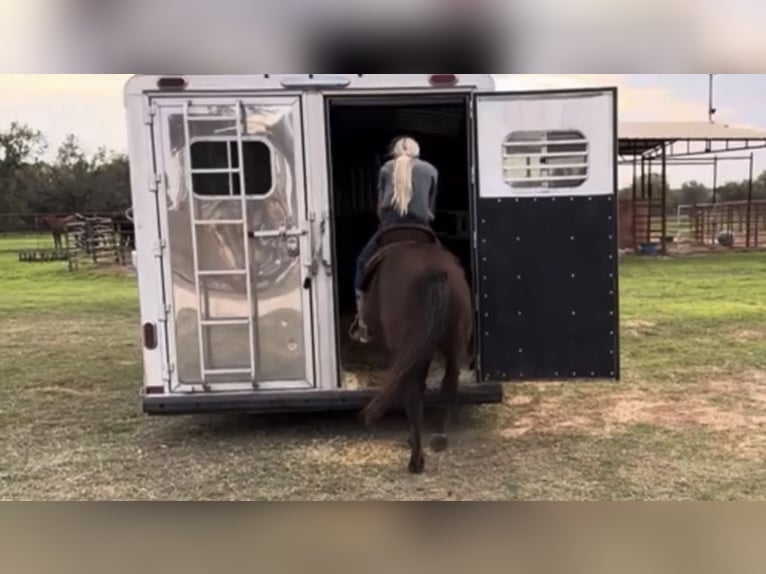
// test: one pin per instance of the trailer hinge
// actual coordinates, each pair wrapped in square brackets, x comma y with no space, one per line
[326,262]
[164,314]
[158,247]
[151,111]
[154,182]
[167,372]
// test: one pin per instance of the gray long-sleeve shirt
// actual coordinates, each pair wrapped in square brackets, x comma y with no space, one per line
[425,178]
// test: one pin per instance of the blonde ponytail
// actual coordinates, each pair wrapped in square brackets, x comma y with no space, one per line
[405,150]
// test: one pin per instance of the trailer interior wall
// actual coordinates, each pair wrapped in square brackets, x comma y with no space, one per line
[360,131]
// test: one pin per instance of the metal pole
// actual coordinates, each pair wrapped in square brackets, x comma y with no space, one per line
[633,206]
[649,202]
[664,185]
[710,109]
[749,202]
[643,197]
[715,177]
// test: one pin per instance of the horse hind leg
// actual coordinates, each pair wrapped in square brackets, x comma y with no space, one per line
[413,406]
[449,395]
[425,379]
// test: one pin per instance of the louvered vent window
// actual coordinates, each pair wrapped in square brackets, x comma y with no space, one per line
[545,159]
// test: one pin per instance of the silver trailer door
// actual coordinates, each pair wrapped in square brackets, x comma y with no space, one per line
[237,242]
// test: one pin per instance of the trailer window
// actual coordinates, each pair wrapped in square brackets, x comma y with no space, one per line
[547,159]
[216,171]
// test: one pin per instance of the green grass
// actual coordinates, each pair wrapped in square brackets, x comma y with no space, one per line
[12,243]
[695,307]
[688,420]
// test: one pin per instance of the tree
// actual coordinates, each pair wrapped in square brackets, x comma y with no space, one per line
[693,192]
[20,145]
[82,183]
[653,179]
[732,191]
[21,148]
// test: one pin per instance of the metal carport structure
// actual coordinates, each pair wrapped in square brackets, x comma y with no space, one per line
[646,144]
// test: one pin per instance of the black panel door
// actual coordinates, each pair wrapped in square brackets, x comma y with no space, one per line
[546,235]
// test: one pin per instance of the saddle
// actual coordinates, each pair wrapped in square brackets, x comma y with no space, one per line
[393,238]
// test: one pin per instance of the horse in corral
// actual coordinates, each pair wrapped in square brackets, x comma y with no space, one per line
[125,228]
[57,225]
[418,304]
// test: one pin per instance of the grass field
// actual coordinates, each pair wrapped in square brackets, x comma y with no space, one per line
[688,420]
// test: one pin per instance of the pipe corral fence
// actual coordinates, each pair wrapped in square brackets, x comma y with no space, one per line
[736,224]
[95,240]
[75,238]
[644,224]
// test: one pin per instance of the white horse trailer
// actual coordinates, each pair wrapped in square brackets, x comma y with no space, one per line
[253,194]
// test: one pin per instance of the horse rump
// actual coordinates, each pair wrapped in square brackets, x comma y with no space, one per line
[426,312]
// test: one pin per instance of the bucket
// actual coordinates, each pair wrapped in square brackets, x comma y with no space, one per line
[648,248]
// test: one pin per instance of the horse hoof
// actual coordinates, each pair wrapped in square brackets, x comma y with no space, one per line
[417,465]
[439,443]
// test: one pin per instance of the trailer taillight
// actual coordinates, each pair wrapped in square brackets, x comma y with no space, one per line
[443,79]
[150,336]
[171,83]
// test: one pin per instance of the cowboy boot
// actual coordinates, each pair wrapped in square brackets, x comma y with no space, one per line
[359,330]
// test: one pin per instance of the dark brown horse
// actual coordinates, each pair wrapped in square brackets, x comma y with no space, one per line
[57,225]
[418,304]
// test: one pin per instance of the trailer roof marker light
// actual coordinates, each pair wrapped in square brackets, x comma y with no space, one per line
[443,79]
[171,83]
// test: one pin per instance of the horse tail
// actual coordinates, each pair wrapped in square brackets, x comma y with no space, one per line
[428,313]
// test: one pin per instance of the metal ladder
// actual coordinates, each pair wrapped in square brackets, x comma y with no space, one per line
[202,323]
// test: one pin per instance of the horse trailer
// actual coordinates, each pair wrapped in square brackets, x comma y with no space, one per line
[253,194]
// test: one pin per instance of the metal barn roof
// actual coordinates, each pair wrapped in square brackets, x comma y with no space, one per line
[686,130]
[637,138]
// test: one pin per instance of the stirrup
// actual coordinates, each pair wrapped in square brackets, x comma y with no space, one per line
[358,333]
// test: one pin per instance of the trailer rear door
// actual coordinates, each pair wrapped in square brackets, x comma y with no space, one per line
[546,234]
[237,242]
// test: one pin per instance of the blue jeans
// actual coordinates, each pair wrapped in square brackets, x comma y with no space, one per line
[389,218]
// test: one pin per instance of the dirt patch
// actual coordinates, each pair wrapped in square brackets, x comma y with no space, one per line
[637,327]
[520,400]
[114,269]
[748,386]
[727,405]
[638,324]
[516,431]
[360,454]
[749,335]
[690,413]
[76,392]
[749,447]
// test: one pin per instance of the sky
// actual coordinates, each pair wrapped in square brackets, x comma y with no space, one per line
[91,107]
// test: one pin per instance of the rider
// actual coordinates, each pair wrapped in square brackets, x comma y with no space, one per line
[406,194]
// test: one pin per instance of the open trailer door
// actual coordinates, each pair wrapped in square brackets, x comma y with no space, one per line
[546,234]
